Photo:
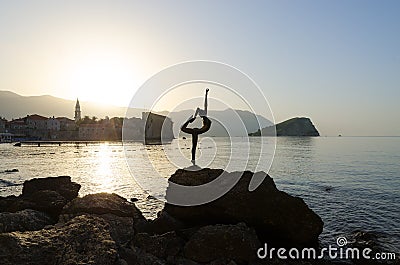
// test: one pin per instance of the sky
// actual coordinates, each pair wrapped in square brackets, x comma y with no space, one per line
[337,62]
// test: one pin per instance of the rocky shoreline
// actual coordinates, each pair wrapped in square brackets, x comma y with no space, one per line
[49,224]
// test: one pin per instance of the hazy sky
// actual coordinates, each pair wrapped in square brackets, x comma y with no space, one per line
[337,62]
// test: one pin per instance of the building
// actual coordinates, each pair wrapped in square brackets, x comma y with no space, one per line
[77,116]
[133,129]
[36,122]
[53,124]
[3,123]
[93,131]
[66,124]
[6,137]
[105,130]
[19,126]
[158,128]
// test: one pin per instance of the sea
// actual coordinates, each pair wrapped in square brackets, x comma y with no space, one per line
[352,183]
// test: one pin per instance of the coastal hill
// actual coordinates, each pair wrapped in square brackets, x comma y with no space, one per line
[13,106]
[292,127]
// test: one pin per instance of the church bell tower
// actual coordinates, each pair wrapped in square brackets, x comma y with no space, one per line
[77,111]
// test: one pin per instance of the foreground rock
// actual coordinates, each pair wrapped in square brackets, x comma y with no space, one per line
[25,220]
[83,240]
[237,242]
[62,185]
[103,203]
[107,229]
[121,215]
[47,195]
[277,216]
[165,246]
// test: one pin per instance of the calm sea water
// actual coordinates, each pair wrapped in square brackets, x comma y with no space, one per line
[353,183]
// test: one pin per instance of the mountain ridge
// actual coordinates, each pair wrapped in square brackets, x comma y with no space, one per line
[226,122]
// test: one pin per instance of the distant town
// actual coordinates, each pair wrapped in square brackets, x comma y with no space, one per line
[35,127]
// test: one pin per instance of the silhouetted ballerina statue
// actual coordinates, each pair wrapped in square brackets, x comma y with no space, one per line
[196,131]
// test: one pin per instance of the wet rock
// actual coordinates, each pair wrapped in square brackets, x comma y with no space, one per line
[83,240]
[233,242]
[161,246]
[63,185]
[14,170]
[277,216]
[25,220]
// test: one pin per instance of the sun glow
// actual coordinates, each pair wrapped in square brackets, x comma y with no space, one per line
[103,78]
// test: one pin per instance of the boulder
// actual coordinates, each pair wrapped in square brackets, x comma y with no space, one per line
[162,224]
[137,256]
[25,220]
[121,228]
[47,195]
[278,217]
[48,201]
[121,215]
[103,203]
[7,203]
[83,240]
[163,246]
[62,185]
[230,242]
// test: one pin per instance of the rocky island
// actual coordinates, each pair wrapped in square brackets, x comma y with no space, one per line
[49,224]
[292,127]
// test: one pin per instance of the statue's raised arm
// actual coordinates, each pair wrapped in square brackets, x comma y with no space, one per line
[203,112]
[206,103]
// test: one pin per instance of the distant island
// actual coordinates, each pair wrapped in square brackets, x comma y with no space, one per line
[292,127]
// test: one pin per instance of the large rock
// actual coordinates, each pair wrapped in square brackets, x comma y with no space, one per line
[25,220]
[137,256]
[236,242]
[6,203]
[83,240]
[165,246]
[62,185]
[162,224]
[121,215]
[277,216]
[103,203]
[47,195]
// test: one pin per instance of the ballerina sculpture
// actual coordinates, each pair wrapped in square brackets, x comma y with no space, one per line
[196,131]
